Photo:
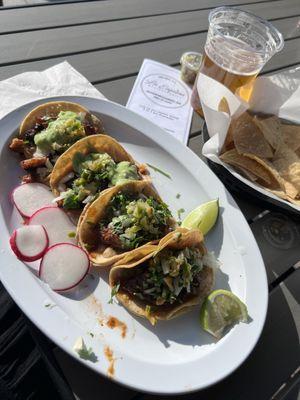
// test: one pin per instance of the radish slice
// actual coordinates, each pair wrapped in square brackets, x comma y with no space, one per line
[29,243]
[64,266]
[30,197]
[57,224]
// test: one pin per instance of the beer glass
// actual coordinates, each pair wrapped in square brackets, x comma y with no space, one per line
[237,47]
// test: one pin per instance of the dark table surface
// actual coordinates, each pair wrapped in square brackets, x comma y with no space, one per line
[107,40]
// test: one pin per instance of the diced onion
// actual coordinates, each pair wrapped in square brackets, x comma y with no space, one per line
[48,165]
[88,199]
[210,260]
[62,196]
[67,177]
[165,266]
[188,288]
[39,153]
[177,288]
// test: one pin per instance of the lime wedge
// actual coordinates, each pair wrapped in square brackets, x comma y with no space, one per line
[203,217]
[221,309]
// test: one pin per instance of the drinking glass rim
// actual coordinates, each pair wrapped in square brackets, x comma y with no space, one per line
[263,21]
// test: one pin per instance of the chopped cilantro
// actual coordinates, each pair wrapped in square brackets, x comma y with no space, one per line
[71,201]
[87,354]
[179,212]
[160,171]
[91,334]
[114,291]
[71,234]
[84,352]
[178,195]
[49,305]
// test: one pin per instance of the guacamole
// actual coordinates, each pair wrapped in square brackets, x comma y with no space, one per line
[167,277]
[133,221]
[60,133]
[92,174]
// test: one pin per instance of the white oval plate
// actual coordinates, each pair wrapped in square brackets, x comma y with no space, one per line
[174,356]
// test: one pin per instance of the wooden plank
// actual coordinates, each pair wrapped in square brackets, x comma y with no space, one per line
[87,12]
[289,390]
[7,4]
[36,45]
[101,66]
[274,359]
[118,90]
[278,237]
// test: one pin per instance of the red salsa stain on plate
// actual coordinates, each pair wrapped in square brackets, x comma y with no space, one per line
[113,323]
[110,357]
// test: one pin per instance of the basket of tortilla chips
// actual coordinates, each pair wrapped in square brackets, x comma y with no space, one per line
[258,144]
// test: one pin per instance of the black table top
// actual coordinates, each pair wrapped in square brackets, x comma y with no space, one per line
[107,40]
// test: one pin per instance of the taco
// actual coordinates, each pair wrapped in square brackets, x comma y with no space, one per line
[165,280]
[90,166]
[121,219]
[47,132]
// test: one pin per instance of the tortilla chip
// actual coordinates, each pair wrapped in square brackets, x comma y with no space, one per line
[276,179]
[284,196]
[88,231]
[235,159]
[271,129]
[228,143]
[287,164]
[249,175]
[291,136]
[126,267]
[224,106]
[248,138]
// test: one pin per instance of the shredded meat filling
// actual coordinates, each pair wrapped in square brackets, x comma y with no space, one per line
[109,238]
[89,124]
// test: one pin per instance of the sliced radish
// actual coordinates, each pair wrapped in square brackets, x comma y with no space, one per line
[29,243]
[64,266]
[57,224]
[30,197]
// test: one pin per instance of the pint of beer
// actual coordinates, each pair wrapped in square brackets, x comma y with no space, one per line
[237,47]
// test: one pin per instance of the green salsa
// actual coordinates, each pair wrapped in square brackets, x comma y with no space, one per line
[94,173]
[123,172]
[60,133]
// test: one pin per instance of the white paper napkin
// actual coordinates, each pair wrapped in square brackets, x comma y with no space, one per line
[59,80]
[277,94]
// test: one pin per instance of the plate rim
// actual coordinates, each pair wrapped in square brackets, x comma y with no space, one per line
[140,123]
